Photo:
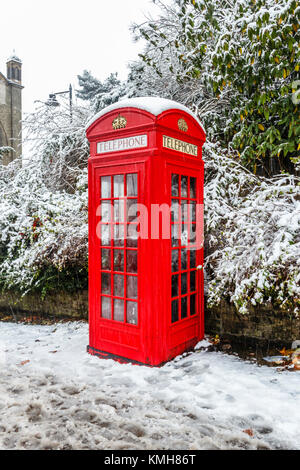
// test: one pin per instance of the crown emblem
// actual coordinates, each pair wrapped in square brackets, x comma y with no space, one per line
[119,122]
[182,125]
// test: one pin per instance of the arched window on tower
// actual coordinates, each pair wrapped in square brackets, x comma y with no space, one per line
[13,73]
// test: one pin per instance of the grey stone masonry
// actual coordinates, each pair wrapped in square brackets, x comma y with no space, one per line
[11,110]
[262,324]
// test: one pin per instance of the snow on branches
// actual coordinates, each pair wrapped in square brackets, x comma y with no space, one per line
[237,63]
[252,235]
[43,205]
[252,223]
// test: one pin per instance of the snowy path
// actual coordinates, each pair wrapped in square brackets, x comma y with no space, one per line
[68,399]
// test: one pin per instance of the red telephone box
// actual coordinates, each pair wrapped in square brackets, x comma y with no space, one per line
[146,300]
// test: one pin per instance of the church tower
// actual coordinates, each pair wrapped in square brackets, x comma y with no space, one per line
[14,69]
[11,110]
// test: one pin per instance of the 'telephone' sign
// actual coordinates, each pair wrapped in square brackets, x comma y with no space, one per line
[127,143]
[180,146]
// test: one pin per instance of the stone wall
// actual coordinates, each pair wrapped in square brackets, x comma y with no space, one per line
[263,324]
[56,304]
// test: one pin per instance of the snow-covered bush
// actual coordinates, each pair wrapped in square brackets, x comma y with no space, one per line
[44,200]
[253,235]
[237,63]
[43,206]
[101,94]
[252,223]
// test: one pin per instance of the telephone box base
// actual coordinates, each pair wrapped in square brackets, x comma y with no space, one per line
[120,359]
[189,347]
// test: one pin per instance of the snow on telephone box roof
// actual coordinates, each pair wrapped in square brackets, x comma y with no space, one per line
[153,105]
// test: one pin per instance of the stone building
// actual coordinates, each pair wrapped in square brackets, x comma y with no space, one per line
[11,110]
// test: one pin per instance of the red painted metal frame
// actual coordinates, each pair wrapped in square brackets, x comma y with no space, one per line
[154,340]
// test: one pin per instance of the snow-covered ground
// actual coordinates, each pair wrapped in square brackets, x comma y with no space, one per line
[64,398]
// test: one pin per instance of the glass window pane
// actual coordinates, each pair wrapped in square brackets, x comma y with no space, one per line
[105,283]
[192,258]
[175,315]
[193,188]
[106,307]
[184,259]
[175,261]
[192,281]
[118,185]
[184,186]
[184,211]
[193,211]
[105,187]
[175,235]
[192,234]
[119,211]
[105,259]
[175,285]
[184,283]
[132,184]
[131,259]
[105,235]
[105,211]
[132,287]
[119,285]
[184,235]
[119,235]
[175,210]
[132,235]
[193,304]
[119,260]
[131,209]
[118,310]
[184,312]
[175,185]
[132,312]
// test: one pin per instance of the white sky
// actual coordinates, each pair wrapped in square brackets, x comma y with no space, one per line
[57,39]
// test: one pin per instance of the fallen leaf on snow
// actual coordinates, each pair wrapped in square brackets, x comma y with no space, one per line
[24,362]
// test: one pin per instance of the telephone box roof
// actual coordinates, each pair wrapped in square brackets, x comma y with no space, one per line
[153,105]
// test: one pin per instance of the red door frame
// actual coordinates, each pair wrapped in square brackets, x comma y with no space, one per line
[111,329]
[190,330]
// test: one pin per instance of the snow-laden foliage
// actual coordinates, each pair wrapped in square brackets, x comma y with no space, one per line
[252,235]
[4,150]
[56,142]
[98,94]
[252,223]
[237,63]
[43,206]
[162,67]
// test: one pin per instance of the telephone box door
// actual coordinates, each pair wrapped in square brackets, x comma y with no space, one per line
[115,269]
[187,309]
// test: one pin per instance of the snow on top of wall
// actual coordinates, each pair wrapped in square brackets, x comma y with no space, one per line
[153,105]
